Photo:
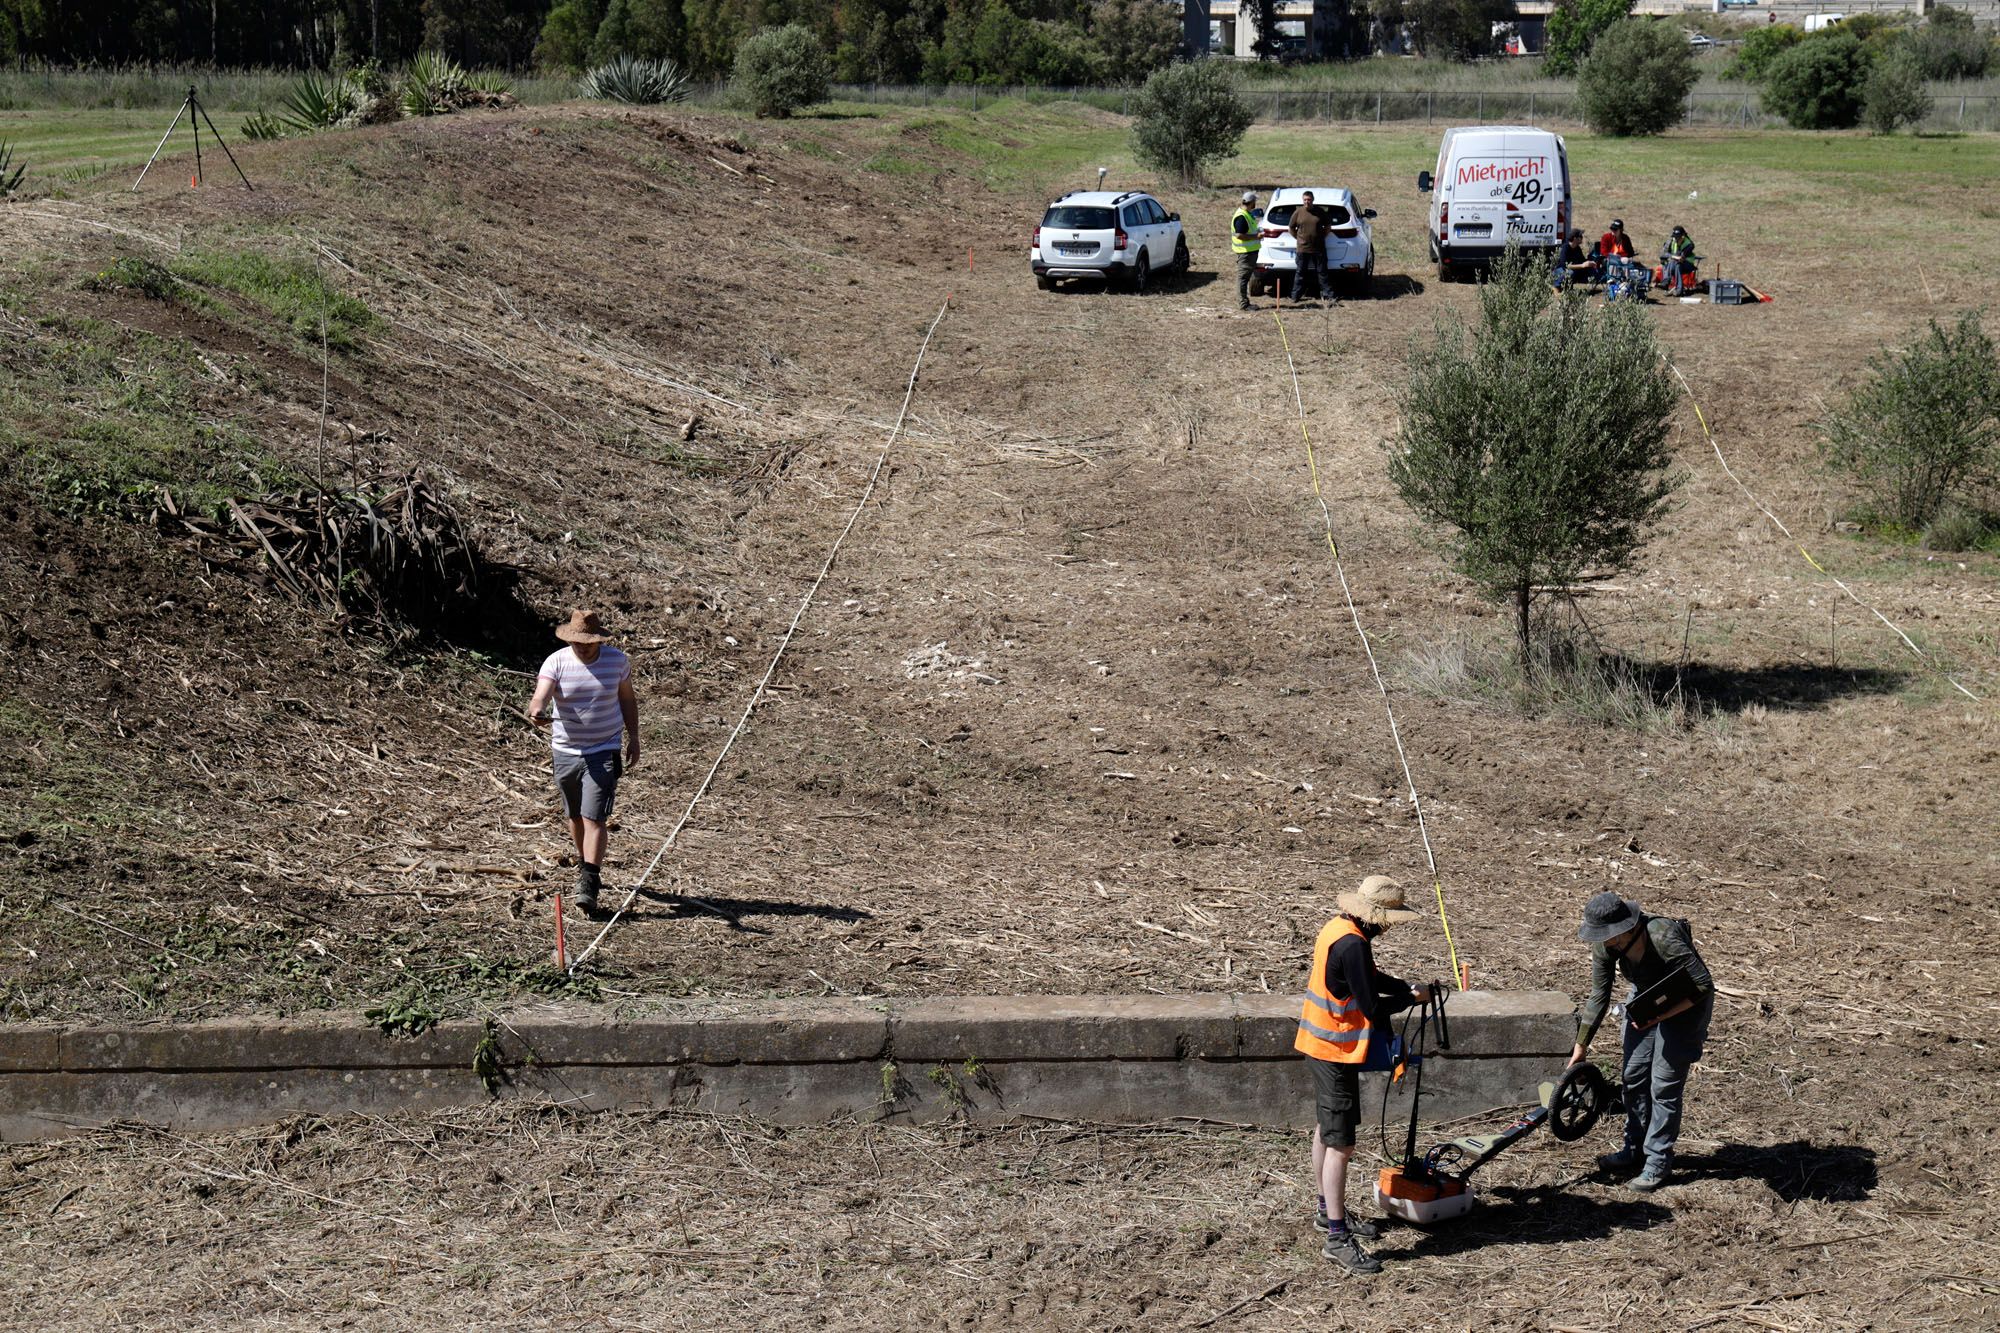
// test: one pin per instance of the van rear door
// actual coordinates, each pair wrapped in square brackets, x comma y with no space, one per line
[1499,190]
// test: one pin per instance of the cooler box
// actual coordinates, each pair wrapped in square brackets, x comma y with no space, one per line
[1725,291]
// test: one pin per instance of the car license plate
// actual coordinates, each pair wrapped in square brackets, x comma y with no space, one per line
[1474,229]
[1076,249]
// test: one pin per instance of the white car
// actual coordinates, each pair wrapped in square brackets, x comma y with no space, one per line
[1350,241]
[1107,236]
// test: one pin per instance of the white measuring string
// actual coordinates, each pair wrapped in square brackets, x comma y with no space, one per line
[867,493]
[1779,524]
[1395,731]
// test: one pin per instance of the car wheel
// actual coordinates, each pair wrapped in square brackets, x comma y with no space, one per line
[1142,275]
[1180,256]
[1045,282]
[1364,286]
[1258,286]
[1444,269]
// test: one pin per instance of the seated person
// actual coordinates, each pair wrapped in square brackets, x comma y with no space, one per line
[1574,264]
[1615,241]
[1677,260]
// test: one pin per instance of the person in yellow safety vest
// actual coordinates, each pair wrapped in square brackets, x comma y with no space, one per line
[1243,242]
[1347,1005]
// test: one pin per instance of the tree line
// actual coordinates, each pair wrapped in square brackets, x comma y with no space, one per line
[888,41]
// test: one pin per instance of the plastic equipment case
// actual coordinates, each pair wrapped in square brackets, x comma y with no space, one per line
[1725,291]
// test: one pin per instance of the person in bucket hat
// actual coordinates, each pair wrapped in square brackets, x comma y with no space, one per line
[589,682]
[1650,952]
[1347,1005]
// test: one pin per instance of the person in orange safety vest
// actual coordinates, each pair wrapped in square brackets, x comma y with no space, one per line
[1347,1004]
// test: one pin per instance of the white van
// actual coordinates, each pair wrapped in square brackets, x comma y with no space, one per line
[1493,183]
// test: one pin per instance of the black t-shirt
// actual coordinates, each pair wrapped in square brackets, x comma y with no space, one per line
[1351,973]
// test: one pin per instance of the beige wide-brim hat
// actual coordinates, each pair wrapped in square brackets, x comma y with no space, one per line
[582,627]
[1379,902]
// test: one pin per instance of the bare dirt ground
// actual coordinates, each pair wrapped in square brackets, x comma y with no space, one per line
[1078,710]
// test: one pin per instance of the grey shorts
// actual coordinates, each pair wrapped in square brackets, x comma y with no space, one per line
[588,783]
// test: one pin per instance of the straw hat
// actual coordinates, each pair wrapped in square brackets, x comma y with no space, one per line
[582,627]
[1379,902]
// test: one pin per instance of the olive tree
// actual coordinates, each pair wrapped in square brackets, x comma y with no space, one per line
[1537,445]
[1187,116]
[782,70]
[1923,431]
[1636,78]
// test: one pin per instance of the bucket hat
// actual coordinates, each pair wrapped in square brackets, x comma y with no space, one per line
[1606,915]
[1249,196]
[1378,901]
[582,627]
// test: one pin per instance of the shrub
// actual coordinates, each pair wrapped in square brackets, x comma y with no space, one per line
[1924,431]
[566,35]
[1950,47]
[1187,116]
[1636,78]
[1957,528]
[782,70]
[641,82]
[1817,85]
[1894,95]
[1760,50]
[1574,27]
[1541,443]
[10,174]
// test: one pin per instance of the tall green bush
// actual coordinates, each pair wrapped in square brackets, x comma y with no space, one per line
[567,33]
[1894,95]
[1636,78]
[1760,50]
[1951,46]
[782,70]
[1922,434]
[1186,117]
[1574,27]
[1540,442]
[1818,84]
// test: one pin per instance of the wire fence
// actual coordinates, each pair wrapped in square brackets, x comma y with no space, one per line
[1742,110]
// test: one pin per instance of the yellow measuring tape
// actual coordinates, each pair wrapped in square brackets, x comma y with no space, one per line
[1458,973]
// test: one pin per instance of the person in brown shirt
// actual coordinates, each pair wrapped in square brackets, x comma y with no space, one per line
[1308,228]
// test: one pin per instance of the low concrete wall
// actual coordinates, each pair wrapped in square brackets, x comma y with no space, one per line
[1110,1058]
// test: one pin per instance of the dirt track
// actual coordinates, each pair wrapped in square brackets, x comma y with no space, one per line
[1179,756]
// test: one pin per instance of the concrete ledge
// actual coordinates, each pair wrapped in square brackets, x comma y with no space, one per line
[1113,1058]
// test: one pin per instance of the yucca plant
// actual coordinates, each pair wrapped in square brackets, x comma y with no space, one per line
[319,101]
[10,175]
[258,125]
[642,82]
[433,85]
[488,81]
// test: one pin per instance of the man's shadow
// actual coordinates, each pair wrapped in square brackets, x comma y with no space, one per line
[1541,1215]
[1794,1171]
[680,906]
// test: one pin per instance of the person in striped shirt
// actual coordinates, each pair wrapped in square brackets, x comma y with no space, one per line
[589,682]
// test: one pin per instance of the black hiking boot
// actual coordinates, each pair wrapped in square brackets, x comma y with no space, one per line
[1346,1251]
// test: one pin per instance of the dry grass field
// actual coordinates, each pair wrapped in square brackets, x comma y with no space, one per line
[1078,710]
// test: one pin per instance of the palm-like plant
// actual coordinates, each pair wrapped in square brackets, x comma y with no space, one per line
[642,82]
[10,175]
[434,84]
[319,101]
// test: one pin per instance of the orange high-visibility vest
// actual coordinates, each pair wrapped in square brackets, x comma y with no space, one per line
[1331,1029]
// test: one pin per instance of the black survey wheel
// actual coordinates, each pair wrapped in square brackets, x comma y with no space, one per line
[1142,275]
[1579,1100]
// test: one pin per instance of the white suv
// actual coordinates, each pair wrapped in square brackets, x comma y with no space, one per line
[1350,241]
[1107,237]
